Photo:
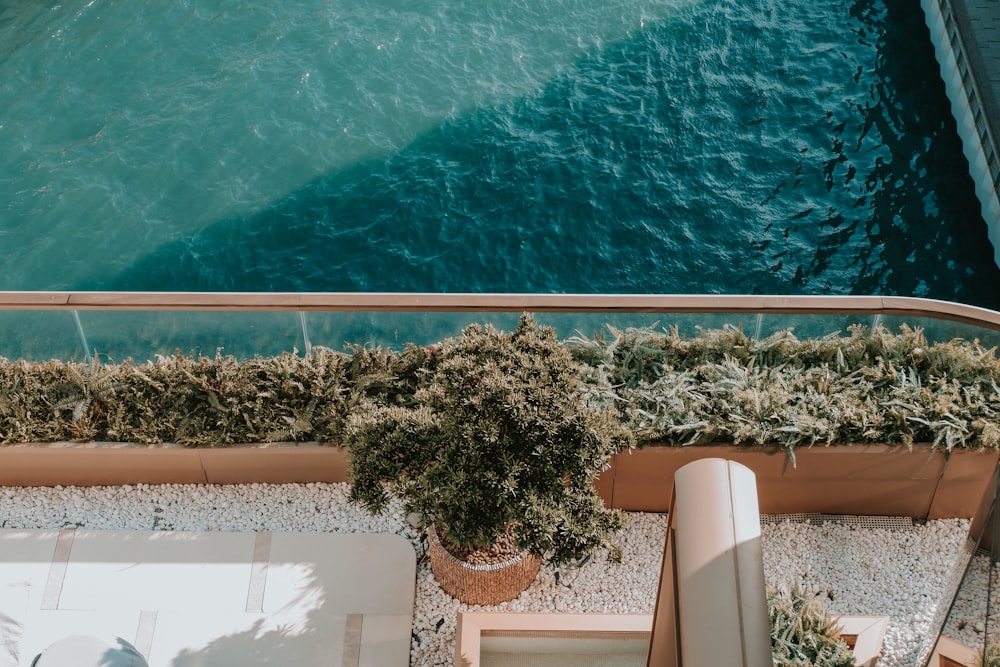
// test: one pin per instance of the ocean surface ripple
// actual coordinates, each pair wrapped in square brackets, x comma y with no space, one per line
[594,146]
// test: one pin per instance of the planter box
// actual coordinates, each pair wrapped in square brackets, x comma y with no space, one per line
[864,634]
[488,638]
[949,653]
[616,639]
[842,479]
[113,464]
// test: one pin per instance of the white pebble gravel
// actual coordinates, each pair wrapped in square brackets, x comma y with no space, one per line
[907,573]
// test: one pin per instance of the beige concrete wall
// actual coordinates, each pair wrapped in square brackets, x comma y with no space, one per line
[859,479]
[96,464]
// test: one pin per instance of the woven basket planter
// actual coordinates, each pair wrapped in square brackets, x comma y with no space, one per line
[481,584]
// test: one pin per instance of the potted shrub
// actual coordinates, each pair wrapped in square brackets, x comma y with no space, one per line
[498,452]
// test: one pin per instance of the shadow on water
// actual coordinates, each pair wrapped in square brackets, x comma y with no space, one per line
[927,234]
[609,180]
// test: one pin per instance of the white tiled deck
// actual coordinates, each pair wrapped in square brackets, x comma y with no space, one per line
[197,598]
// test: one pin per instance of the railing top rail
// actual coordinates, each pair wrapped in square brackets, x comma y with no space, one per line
[492,302]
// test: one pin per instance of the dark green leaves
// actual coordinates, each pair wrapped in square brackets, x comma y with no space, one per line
[501,434]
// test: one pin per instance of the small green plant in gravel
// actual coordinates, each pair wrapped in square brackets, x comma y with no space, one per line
[803,634]
[989,656]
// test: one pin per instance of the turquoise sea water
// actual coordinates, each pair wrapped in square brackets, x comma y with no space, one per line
[735,146]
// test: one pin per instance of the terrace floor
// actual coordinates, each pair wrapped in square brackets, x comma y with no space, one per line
[210,598]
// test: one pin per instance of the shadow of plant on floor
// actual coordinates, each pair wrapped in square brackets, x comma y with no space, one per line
[261,644]
[312,612]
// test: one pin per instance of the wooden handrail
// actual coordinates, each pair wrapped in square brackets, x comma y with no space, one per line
[511,302]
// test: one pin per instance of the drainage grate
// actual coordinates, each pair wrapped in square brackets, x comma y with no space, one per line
[873,522]
[790,518]
[864,522]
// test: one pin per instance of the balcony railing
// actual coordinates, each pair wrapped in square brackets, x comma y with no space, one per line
[140,325]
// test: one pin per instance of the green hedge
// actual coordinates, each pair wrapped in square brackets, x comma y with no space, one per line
[213,401]
[866,386]
[721,386]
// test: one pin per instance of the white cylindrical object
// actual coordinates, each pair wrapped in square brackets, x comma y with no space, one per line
[718,568]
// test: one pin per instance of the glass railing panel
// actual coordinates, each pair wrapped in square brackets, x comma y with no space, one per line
[972,619]
[141,335]
[40,335]
[988,563]
[395,329]
[119,334]
[941,331]
[804,325]
[590,325]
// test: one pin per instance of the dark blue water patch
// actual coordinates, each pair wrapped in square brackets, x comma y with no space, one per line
[751,147]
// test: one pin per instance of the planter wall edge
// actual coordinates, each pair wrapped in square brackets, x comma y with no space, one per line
[842,479]
[115,464]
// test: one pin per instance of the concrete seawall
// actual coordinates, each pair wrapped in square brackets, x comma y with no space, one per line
[966,37]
